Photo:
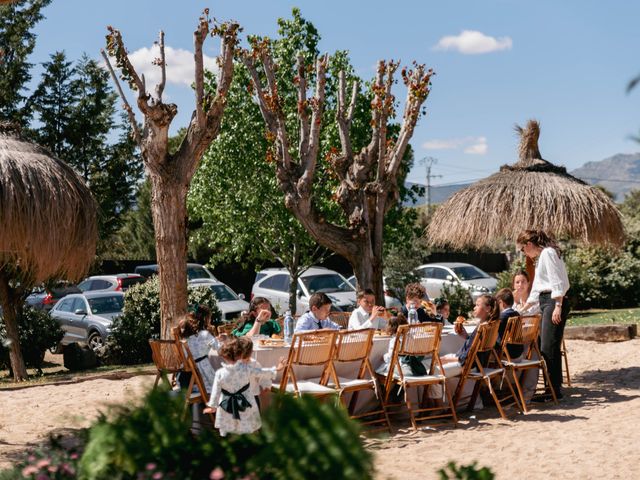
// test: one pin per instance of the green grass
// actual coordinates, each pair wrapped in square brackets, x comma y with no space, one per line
[605,317]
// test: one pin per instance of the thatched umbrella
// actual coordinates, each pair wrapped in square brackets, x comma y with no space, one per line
[48,226]
[530,194]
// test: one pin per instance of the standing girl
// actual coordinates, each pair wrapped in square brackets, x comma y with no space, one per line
[549,289]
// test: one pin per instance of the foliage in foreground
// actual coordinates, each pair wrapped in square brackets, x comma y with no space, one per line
[129,340]
[465,472]
[38,332]
[301,438]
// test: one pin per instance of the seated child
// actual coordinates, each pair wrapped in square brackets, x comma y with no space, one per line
[193,328]
[368,314]
[405,361]
[414,294]
[231,395]
[443,310]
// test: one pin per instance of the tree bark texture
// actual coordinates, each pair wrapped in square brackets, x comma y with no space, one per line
[10,301]
[368,180]
[171,175]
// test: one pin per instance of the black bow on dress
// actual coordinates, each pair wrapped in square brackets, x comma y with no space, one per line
[235,403]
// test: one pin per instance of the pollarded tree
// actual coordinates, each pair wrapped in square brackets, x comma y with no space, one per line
[170,173]
[368,179]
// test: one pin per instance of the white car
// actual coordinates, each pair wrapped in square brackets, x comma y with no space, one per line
[436,275]
[273,284]
[389,300]
[229,302]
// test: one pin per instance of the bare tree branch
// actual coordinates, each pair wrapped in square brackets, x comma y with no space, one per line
[163,69]
[198,39]
[303,114]
[127,108]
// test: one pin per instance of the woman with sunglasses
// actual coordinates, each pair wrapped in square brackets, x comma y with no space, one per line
[549,289]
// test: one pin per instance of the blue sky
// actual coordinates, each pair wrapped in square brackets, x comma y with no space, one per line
[565,63]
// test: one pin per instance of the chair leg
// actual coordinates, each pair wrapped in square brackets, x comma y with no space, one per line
[451,404]
[474,396]
[523,403]
[408,403]
[566,362]
[157,380]
[353,402]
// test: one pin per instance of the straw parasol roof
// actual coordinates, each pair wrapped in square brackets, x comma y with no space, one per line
[47,214]
[530,194]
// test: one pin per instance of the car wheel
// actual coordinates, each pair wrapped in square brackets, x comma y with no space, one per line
[95,341]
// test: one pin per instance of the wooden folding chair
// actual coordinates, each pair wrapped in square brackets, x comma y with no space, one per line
[341,318]
[226,327]
[563,354]
[192,396]
[484,343]
[421,339]
[355,346]
[310,349]
[167,359]
[525,331]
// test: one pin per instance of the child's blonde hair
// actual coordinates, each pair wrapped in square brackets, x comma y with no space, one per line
[245,347]
[230,350]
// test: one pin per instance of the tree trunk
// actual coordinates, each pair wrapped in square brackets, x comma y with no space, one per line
[169,208]
[10,317]
[368,266]
[294,274]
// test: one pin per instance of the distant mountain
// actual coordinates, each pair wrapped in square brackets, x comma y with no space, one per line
[439,194]
[619,174]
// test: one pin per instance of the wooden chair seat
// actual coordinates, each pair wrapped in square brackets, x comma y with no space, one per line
[167,359]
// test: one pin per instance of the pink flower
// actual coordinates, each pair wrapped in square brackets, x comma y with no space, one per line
[74,456]
[30,470]
[52,469]
[157,476]
[43,463]
[151,466]
[216,474]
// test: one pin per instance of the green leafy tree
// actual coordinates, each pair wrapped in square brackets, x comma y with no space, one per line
[17,41]
[362,180]
[53,101]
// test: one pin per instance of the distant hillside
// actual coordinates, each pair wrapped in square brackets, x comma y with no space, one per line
[438,194]
[619,174]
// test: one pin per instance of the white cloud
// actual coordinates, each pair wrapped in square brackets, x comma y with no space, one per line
[180,65]
[479,147]
[472,42]
[469,145]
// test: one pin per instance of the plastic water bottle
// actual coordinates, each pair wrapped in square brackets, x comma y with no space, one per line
[288,327]
[413,314]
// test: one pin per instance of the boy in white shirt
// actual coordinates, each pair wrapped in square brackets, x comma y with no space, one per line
[368,314]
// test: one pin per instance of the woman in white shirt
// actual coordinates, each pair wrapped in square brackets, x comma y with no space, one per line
[368,314]
[549,290]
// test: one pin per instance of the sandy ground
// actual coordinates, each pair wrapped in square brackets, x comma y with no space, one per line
[593,433]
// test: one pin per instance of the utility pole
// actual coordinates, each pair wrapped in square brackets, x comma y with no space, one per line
[429,162]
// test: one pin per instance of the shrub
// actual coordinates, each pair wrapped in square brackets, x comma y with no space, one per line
[400,262]
[38,332]
[140,321]
[459,299]
[465,472]
[301,438]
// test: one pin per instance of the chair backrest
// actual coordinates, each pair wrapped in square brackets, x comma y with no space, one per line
[226,327]
[352,345]
[312,348]
[488,336]
[522,330]
[341,318]
[166,356]
[419,339]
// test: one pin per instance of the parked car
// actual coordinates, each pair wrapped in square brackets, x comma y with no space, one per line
[86,317]
[194,271]
[229,302]
[273,283]
[44,298]
[119,282]
[436,275]
[389,300]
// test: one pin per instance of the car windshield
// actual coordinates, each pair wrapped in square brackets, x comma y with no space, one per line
[469,273]
[131,281]
[329,283]
[223,293]
[112,304]
[197,272]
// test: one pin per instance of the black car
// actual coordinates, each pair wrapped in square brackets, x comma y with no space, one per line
[44,298]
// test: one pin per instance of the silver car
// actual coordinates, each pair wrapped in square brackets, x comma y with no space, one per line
[86,318]
[273,283]
[120,282]
[229,302]
[436,275]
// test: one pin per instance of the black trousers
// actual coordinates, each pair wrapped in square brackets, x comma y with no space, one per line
[551,337]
